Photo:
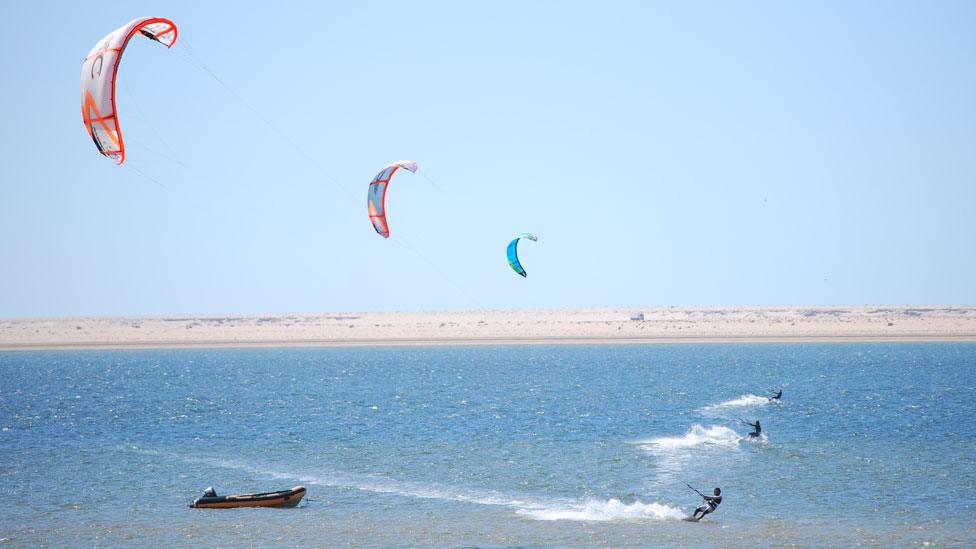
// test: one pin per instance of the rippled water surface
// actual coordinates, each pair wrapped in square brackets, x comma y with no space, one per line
[508,445]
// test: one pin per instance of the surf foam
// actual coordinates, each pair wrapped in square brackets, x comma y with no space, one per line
[606,511]
[697,435]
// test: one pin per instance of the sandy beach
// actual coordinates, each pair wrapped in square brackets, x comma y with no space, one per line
[583,325]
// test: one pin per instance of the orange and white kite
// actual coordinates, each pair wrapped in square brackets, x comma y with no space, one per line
[376,197]
[98,74]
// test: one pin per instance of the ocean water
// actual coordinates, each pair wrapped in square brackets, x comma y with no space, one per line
[569,445]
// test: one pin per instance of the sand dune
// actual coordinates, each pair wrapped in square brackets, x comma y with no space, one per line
[598,325]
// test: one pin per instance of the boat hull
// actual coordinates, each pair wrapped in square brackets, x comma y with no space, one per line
[284,498]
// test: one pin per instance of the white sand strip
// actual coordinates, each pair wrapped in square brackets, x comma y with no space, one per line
[584,325]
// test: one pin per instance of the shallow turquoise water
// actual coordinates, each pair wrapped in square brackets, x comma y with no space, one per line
[507,445]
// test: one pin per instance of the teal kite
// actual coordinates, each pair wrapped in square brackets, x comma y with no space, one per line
[512,252]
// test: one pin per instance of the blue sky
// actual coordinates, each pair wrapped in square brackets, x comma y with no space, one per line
[692,153]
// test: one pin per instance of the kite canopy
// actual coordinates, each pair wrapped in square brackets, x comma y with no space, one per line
[98,76]
[376,197]
[512,252]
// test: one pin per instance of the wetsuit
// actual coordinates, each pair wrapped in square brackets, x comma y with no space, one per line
[711,503]
[777,395]
[757,427]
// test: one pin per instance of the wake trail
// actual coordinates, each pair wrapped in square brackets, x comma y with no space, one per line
[696,436]
[678,456]
[744,401]
[607,511]
[536,508]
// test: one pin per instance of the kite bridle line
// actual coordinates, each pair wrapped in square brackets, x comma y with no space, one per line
[431,181]
[403,242]
[130,166]
[195,59]
[140,115]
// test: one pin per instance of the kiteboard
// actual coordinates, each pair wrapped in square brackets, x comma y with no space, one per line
[691,519]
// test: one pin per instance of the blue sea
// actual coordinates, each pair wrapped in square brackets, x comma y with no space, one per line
[568,445]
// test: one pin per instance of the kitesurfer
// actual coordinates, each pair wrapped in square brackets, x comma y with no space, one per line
[711,503]
[756,428]
[777,396]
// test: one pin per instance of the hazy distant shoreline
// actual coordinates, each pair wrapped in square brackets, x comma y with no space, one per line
[499,327]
